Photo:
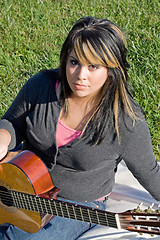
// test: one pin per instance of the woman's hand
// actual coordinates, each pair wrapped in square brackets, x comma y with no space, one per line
[5,139]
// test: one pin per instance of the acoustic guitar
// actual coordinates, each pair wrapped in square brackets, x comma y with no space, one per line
[28,200]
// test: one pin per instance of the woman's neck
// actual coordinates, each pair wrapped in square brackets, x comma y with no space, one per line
[79,112]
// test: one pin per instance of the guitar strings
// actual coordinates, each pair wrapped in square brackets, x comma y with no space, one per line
[82,214]
[62,209]
[9,200]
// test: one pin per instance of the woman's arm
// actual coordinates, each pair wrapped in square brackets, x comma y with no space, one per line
[139,157]
[39,89]
[5,139]
[14,120]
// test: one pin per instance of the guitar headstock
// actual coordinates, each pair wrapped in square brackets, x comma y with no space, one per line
[142,221]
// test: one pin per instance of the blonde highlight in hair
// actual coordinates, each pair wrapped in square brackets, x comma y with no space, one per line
[86,53]
[115,107]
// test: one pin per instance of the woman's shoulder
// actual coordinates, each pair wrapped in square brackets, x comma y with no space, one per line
[134,128]
[41,86]
[44,76]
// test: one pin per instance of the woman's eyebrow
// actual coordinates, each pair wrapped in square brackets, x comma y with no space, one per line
[71,56]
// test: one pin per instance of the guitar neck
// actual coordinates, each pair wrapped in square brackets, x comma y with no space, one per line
[63,209]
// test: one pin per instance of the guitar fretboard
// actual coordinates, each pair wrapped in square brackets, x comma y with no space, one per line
[63,209]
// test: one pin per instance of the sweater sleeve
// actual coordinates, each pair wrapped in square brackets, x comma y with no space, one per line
[140,160]
[14,120]
[34,92]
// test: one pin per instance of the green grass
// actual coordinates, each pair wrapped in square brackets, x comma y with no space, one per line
[32,33]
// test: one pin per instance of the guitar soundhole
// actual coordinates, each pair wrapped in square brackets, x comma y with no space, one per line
[5,197]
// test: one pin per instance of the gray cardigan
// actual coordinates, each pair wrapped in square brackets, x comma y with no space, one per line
[81,171]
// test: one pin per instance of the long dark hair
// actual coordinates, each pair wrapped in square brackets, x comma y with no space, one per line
[104,44]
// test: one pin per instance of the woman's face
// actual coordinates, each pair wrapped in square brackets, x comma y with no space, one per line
[84,80]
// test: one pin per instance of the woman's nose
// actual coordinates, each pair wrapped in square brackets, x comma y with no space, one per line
[82,74]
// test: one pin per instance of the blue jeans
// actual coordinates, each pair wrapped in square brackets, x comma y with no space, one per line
[57,229]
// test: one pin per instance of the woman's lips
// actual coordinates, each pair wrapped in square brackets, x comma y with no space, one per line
[80,86]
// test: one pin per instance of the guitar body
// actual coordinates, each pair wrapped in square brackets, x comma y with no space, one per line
[28,174]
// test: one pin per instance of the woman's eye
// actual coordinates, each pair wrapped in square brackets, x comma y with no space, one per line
[74,62]
[93,67]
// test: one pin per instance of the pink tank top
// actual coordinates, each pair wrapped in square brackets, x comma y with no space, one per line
[65,134]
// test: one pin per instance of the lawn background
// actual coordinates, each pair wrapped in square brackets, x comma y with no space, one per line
[32,33]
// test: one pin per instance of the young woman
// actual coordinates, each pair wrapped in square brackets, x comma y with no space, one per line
[81,120]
